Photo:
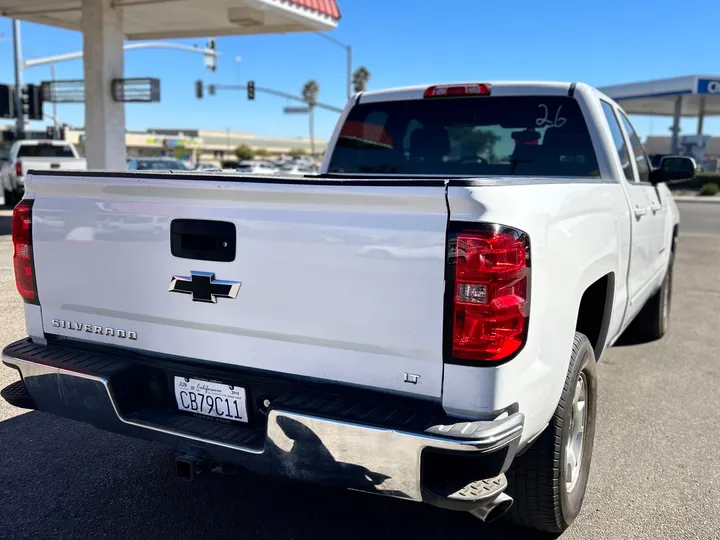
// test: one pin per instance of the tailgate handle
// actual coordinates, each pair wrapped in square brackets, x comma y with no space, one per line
[203,240]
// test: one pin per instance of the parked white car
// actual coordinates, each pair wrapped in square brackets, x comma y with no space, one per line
[297,169]
[421,320]
[256,167]
[36,155]
[157,164]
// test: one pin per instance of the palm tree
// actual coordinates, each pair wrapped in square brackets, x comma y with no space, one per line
[309,93]
[360,79]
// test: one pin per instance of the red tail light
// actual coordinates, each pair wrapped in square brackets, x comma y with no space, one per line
[22,256]
[458,90]
[18,168]
[490,300]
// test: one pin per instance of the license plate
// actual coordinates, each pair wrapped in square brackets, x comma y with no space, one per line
[211,399]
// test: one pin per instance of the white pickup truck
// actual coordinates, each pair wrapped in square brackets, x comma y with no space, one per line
[420,320]
[36,155]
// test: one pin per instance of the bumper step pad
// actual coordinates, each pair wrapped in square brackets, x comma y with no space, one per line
[480,490]
[467,498]
[17,395]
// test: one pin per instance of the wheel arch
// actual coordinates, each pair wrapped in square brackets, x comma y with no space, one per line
[591,321]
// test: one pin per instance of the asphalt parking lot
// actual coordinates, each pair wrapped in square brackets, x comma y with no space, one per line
[654,475]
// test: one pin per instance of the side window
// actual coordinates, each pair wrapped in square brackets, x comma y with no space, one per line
[619,140]
[641,159]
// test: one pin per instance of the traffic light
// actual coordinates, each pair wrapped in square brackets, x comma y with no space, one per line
[211,89]
[198,89]
[32,101]
[251,89]
[211,59]
[7,101]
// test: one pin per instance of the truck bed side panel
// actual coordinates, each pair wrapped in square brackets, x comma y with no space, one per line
[579,231]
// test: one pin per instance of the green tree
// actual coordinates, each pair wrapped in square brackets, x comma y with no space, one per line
[310,92]
[360,78]
[263,152]
[297,152]
[244,152]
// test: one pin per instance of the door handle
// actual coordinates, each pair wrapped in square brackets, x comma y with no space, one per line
[640,212]
[203,240]
[655,208]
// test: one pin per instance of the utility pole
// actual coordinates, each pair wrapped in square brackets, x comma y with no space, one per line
[20,114]
[54,105]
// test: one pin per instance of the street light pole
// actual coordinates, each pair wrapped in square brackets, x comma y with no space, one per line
[22,64]
[349,71]
[348,51]
[19,113]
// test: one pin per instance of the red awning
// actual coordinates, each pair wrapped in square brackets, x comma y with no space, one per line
[323,7]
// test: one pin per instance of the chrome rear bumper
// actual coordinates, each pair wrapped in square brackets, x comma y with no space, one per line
[295,445]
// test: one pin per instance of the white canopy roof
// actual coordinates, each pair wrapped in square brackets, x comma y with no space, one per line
[167,19]
[658,97]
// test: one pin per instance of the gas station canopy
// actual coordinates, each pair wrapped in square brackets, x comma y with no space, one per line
[106,24]
[693,95]
[700,96]
[166,19]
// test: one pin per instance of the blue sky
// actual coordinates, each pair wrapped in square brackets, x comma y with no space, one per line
[405,42]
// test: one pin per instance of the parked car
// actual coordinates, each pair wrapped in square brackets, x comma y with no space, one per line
[256,167]
[37,155]
[157,164]
[297,169]
[205,166]
[421,320]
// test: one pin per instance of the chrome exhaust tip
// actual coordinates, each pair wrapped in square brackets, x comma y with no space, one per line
[494,509]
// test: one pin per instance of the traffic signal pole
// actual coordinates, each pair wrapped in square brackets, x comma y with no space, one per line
[277,93]
[207,52]
[20,115]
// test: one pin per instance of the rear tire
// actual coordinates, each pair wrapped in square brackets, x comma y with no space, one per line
[9,198]
[548,481]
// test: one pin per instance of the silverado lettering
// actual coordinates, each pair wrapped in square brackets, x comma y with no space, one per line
[94,329]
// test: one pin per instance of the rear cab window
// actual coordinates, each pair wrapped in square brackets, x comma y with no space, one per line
[45,151]
[467,136]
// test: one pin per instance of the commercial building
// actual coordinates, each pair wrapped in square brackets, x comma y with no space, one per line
[199,144]
[710,156]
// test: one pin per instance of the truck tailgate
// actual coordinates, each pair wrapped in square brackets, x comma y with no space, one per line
[336,282]
[53,163]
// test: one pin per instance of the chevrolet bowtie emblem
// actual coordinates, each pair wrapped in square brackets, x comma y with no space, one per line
[204,287]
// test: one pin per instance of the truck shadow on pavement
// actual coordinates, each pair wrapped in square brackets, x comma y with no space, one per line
[62,479]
